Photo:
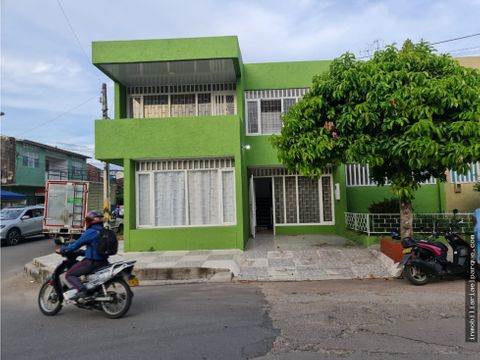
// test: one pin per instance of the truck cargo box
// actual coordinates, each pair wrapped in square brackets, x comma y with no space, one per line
[67,203]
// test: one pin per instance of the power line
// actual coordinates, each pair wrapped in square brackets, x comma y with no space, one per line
[58,116]
[75,34]
[455,39]
[434,43]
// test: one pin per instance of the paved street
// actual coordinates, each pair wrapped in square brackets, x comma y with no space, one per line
[346,319]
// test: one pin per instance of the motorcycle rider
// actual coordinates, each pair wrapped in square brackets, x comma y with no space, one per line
[92,260]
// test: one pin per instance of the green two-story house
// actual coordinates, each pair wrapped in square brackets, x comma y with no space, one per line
[192,128]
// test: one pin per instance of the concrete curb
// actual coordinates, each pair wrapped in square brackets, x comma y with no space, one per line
[39,271]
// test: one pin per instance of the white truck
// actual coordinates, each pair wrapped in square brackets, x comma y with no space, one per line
[67,203]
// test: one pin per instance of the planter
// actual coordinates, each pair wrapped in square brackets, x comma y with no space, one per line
[391,248]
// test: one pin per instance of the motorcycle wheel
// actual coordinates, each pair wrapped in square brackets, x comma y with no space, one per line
[415,276]
[122,299]
[48,300]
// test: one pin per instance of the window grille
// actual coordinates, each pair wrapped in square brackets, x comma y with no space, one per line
[359,175]
[270,111]
[301,200]
[265,108]
[182,164]
[279,171]
[187,88]
[471,176]
[181,100]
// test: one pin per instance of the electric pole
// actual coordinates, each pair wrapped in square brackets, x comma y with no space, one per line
[106,172]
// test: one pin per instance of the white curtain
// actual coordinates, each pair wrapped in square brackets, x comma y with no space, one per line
[144,216]
[228,197]
[170,198]
[203,197]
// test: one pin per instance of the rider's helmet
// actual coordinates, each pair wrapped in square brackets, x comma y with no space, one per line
[93,217]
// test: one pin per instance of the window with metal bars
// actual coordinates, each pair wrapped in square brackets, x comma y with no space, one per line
[301,200]
[181,100]
[266,107]
[185,193]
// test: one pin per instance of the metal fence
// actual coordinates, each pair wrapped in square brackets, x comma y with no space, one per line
[422,223]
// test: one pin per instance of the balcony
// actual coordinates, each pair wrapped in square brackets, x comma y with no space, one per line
[179,137]
[66,175]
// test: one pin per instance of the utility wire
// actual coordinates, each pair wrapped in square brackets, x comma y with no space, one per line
[75,34]
[455,39]
[58,116]
[434,43]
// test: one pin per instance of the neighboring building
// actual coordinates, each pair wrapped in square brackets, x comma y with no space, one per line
[26,165]
[192,128]
[94,173]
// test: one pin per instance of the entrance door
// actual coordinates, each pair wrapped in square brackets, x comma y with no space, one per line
[264,203]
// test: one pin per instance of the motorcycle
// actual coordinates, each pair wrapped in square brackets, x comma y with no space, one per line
[108,288]
[424,259]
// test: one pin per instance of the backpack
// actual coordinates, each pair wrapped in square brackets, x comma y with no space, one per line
[107,242]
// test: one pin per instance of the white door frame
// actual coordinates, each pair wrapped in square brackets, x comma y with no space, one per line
[253,210]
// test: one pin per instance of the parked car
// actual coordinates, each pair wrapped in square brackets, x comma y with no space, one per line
[118,227]
[19,222]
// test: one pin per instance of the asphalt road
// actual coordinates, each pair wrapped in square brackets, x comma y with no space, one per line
[13,258]
[196,321]
[345,319]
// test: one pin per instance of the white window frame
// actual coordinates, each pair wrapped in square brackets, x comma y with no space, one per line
[258,96]
[151,173]
[31,156]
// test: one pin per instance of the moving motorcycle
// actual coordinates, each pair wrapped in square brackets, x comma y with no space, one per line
[108,288]
[423,259]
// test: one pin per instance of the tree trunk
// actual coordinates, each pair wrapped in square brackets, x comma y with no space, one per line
[406,218]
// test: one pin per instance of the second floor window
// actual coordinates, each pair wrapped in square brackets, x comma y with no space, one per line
[31,159]
[264,109]
[77,169]
[181,100]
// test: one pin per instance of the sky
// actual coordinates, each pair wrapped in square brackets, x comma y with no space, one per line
[50,90]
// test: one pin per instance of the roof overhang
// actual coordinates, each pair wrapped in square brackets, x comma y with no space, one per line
[172,72]
[168,61]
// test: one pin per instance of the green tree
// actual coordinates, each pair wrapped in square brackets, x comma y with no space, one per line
[409,113]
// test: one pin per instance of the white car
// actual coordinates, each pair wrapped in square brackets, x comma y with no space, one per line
[17,223]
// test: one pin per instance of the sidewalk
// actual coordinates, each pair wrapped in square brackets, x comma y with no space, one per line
[267,258]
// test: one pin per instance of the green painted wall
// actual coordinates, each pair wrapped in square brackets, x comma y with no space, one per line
[28,176]
[188,238]
[305,230]
[129,203]
[261,152]
[25,175]
[120,93]
[283,75]
[167,137]
[428,199]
